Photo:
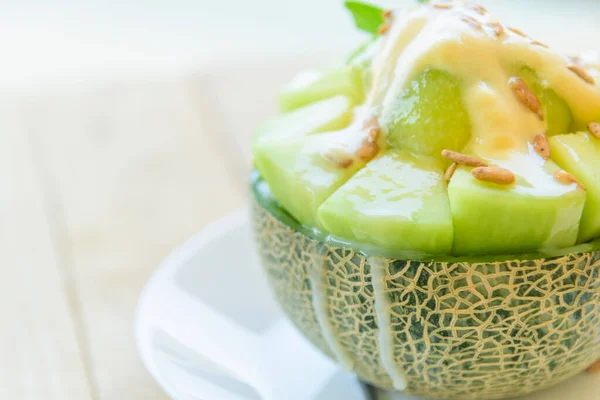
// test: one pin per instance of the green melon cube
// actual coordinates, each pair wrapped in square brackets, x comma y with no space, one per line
[534,213]
[397,203]
[326,115]
[428,116]
[279,151]
[311,86]
[557,113]
[301,172]
[579,154]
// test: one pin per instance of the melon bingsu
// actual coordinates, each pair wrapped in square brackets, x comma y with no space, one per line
[428,212]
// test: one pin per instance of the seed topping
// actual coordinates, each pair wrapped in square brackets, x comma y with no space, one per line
[463,159]
[450,172]
[443,6]
[583,74]
[368,150]
[342,160]
[369,147]
[541,145]
[373,134]
[371,125]
[594,128]
[526,96]
[496,175]
[472,22]
[383,29]
[566,178]
[477,8]
[388,14]
[518,32]
[538,43]
[497,27]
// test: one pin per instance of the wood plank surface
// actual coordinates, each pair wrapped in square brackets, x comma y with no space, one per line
[133,171]
[100,185]
[39,346]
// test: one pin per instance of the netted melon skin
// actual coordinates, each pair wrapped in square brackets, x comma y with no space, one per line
[457,330]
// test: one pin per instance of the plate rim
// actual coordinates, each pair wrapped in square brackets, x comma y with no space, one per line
[172,262]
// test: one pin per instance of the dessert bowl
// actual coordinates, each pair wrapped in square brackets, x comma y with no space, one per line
[428,213]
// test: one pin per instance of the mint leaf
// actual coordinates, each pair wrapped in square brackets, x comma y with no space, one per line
[367,17]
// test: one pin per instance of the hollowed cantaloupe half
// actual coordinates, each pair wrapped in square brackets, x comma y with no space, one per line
[449,329]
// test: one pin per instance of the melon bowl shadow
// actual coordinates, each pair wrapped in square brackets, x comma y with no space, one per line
[443,330]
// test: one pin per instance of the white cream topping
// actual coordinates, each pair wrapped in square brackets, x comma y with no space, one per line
[484,62]
[386,337]
[320,305]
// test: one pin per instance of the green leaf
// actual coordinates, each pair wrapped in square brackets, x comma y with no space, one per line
[367,17]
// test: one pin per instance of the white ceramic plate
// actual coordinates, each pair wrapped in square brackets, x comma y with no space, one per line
[208,329]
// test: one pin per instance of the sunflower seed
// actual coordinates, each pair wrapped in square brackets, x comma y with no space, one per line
[566,178]
[383,29]
[541,146]
[339,159]
[518,32]
[450,172]
[594,128]
[526,96]
[537,43]
[368,150]
[463,159]
[496,175]
[477,8]
[583,74]
[497,27]
[473,23]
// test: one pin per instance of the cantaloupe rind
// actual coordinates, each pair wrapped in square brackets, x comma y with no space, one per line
[451,329]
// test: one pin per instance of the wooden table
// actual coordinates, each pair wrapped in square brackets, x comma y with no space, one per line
[98,186]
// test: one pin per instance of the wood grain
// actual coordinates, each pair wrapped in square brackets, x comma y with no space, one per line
[101,184]
[39,348]
[135,172]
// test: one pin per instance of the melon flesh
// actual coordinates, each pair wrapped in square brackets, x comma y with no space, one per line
[557,113]
[301,172]
[311,86]
[579,154]
[291,161]
[534,213]
[429,116]
[326,115]
[398,202]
